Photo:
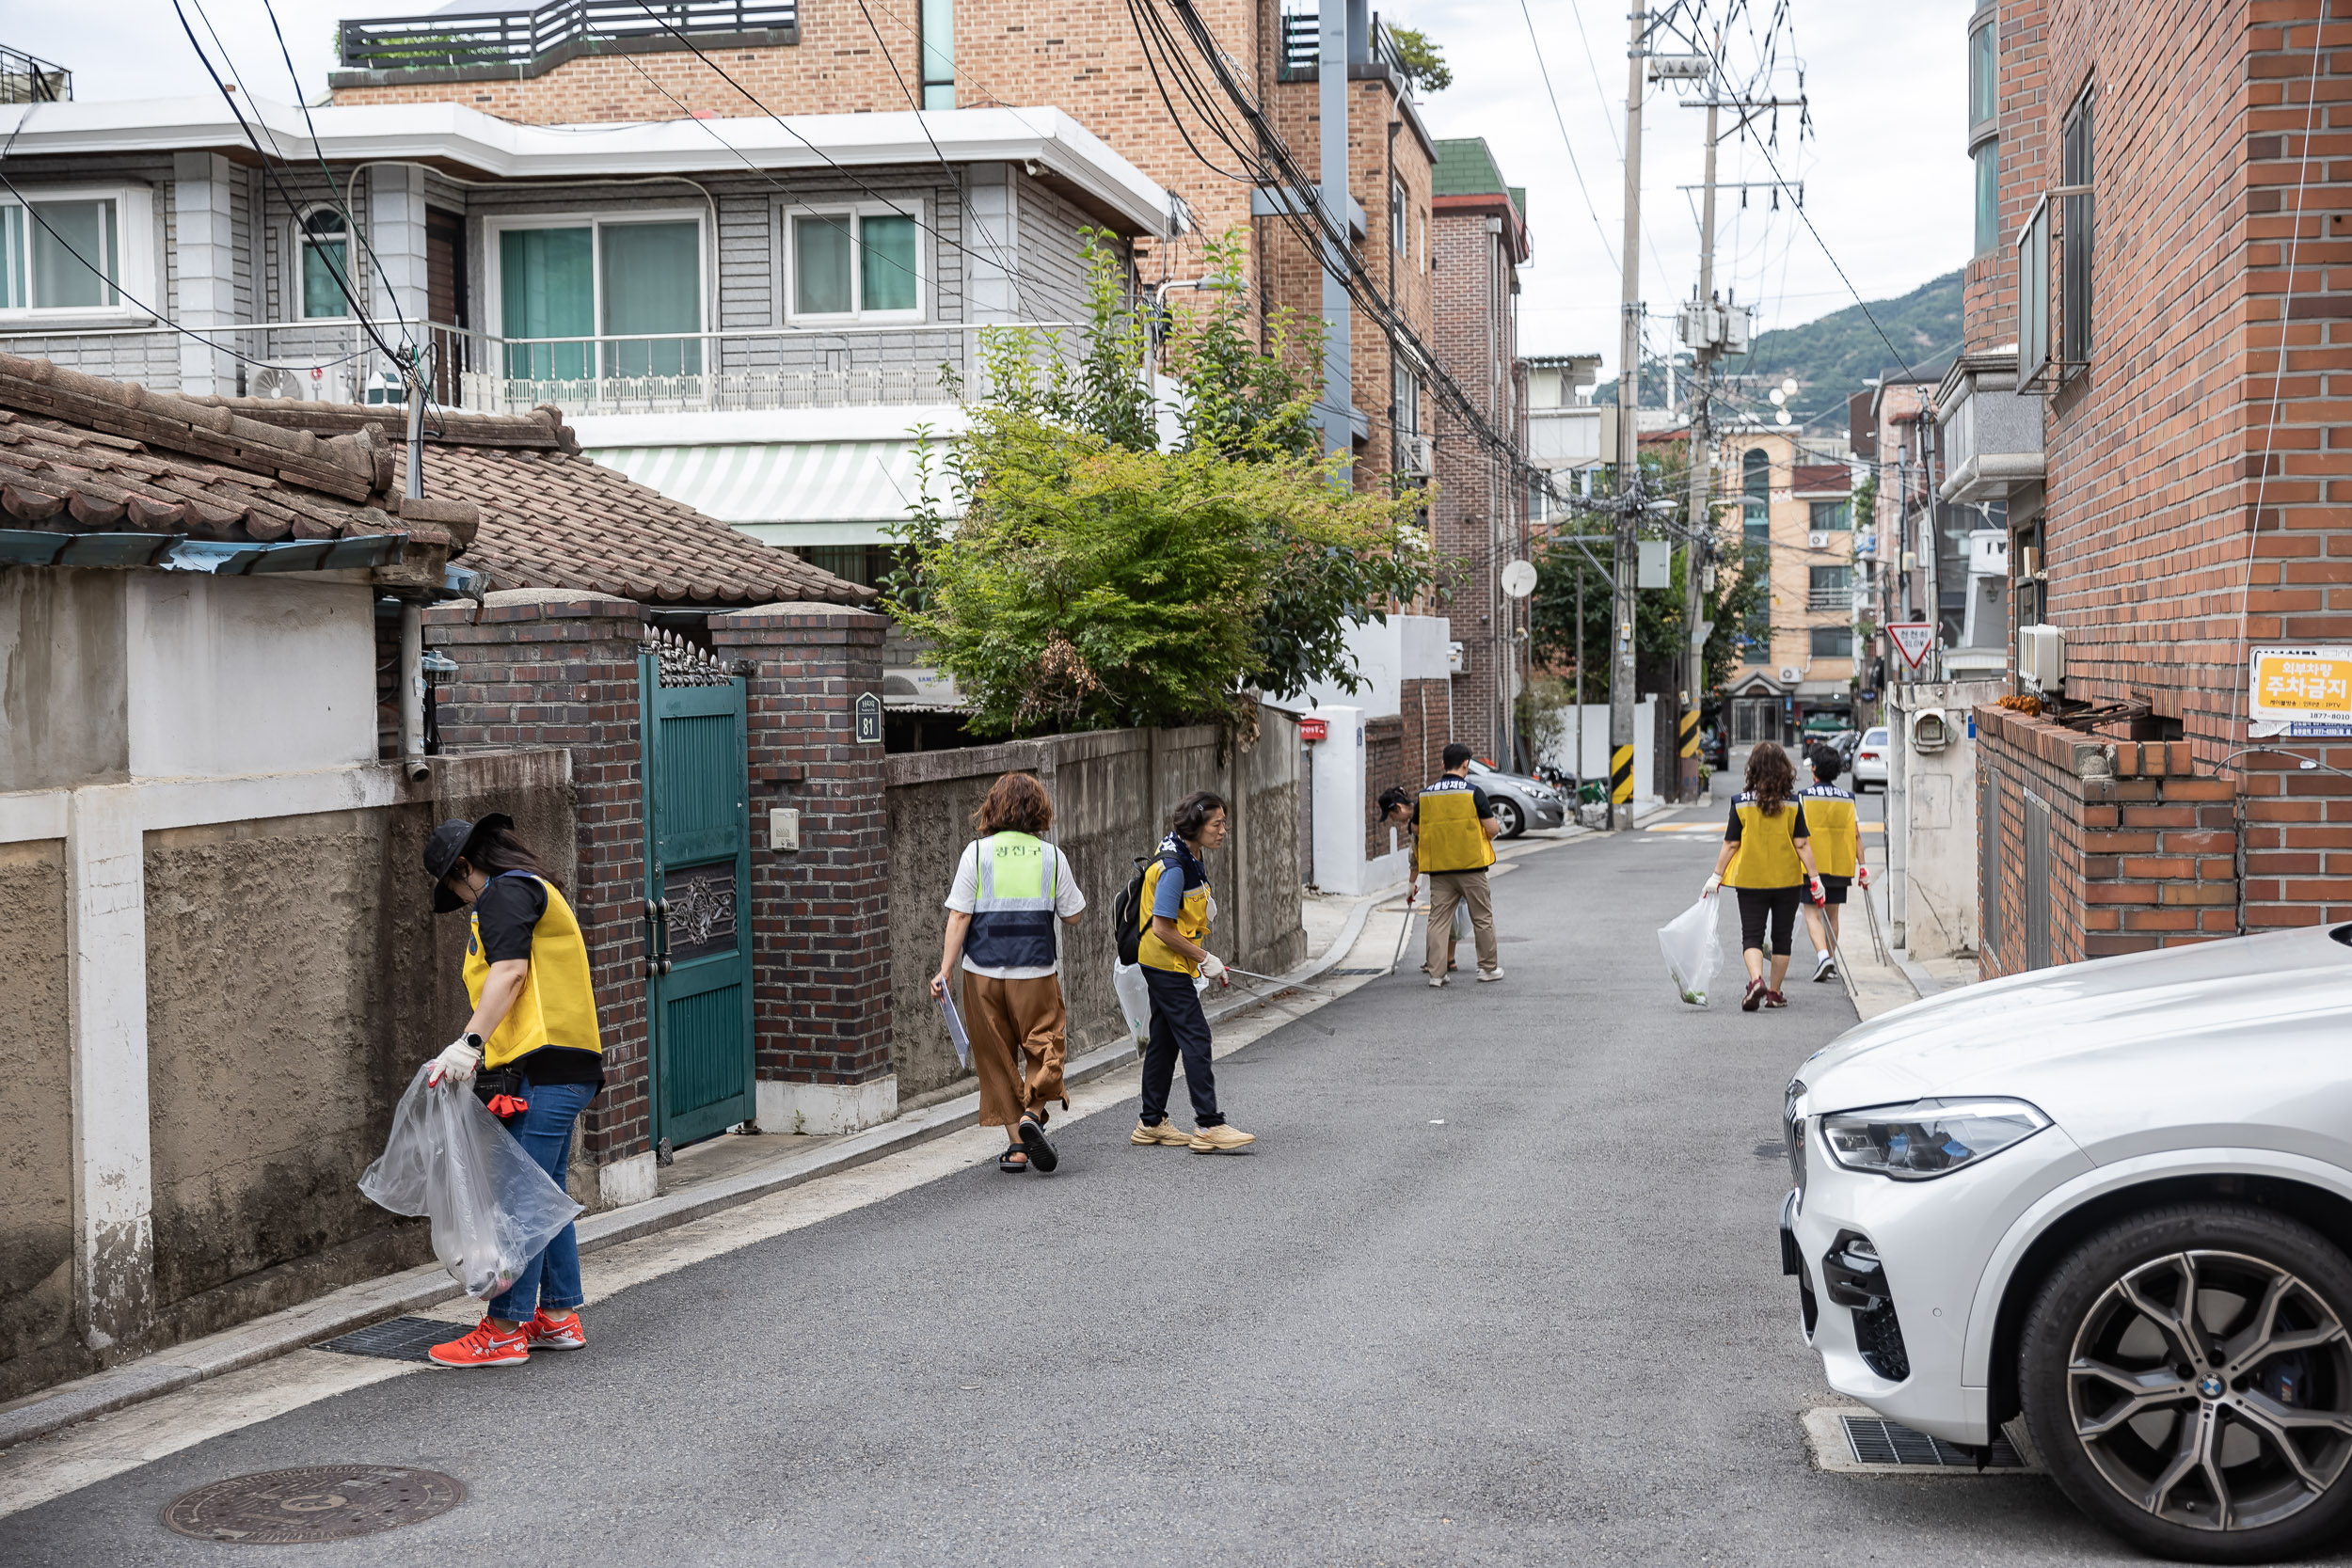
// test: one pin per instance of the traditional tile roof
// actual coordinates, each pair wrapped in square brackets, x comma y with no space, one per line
[82,455]
[552,518]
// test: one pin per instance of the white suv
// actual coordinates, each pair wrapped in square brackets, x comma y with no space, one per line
[2115,1198]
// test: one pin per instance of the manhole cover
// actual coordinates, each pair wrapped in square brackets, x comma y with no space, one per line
[316,1502]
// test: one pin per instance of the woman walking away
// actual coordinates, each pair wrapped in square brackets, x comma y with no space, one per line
[1829,814]
[532,1042]
[1176,910]
[1767,857]
[1009,888]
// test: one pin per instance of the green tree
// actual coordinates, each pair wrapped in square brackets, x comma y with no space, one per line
[1418,60]
[1659,630]
[1094,581]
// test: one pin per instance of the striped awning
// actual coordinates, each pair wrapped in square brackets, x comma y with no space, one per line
[785,492]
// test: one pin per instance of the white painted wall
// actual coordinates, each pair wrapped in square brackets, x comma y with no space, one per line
[1596,762]
[1387,654]
[1336,777]
[265,674]
[1939,802]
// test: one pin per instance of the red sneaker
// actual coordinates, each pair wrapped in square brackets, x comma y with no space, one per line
[484,1347]
[1774,999]
[551,1333]
[1754,998]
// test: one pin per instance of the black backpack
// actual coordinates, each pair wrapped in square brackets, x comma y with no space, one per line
[1127,912]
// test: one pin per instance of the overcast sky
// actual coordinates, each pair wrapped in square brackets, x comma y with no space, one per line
[1885,173]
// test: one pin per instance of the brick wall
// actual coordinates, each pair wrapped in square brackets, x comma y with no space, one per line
[2140,852]
[822,914]
[551,667]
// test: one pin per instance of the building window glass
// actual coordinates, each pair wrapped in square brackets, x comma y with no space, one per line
[2075,238]
[1397,217]
[60,256]
[1988,160]
[326,265]
[601,280]
[1984,100]
[1829,588]
[855,264]
[939,53]
[1833,642]
[1833,516]
[1756,494]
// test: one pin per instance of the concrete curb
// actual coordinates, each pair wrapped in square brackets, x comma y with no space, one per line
[420,1288]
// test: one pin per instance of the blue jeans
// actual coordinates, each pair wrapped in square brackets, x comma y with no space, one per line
[551,1280]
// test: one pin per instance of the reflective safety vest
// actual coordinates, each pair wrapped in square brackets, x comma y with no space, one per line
[555,1005]
[1767,856]
[1448,835]
[1013,913]
[1829,818]
[1192,920]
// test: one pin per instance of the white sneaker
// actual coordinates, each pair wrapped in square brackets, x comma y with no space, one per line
[1486,974]
[1436,980]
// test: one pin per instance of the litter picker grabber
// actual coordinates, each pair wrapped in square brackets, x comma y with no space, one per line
[1398,957]
[1269,1002]
[1837,951]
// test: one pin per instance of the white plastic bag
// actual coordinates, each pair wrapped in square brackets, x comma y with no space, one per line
[1135,1001]
[1462,928]
[1692,952]
[493,1209]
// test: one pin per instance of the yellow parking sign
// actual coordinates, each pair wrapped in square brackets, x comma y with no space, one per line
[2301,691]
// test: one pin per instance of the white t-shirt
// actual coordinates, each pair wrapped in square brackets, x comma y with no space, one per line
[1068,901]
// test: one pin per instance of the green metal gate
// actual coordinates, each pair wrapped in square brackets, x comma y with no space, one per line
[698,867]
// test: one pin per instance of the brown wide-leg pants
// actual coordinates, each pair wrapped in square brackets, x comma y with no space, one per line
[1447,889]
[1008,1021]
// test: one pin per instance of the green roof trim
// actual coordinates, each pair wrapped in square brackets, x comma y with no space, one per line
[1466,166]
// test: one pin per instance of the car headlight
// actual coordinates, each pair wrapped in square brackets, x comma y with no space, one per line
[1927,1138]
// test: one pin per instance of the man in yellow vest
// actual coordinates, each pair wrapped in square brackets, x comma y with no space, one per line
[1454,833]
[1829,815]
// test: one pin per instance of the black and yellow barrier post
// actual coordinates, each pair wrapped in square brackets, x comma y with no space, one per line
[1689,753]
[1621,776]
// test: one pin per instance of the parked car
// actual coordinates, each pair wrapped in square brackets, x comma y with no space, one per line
[1520,802]
[2114,1198]
[1869,760]
[1715,748]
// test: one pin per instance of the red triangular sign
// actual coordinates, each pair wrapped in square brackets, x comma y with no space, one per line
[1912,639]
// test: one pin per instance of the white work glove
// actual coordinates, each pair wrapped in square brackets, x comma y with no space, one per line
[1211,902]
[1714,885]
[1862,875]
[1213,968]
[457,1063]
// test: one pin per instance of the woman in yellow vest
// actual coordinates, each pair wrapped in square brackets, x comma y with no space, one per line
[1829,811]
[1173,916]
[530,1051]
[1767,856]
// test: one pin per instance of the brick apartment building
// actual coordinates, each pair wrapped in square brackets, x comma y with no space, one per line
[1480,518]
[2154,410]
[1140,91]
[1796,526]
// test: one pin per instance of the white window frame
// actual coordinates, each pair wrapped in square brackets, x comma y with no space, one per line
[494,270]
[925,261]
[297,290]
[134,252]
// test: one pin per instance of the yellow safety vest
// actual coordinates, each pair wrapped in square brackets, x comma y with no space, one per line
[1192,922]
[1448,835]
[1019,883]
[1829,818]
[1766,855]
[556,1005]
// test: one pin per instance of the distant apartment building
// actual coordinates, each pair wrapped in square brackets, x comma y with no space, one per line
[2144,394]
[1796,529]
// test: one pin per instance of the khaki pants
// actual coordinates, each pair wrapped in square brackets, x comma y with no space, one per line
[1008,1019]
[1446,889]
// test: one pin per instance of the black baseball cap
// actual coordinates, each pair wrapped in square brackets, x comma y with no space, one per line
[448,845]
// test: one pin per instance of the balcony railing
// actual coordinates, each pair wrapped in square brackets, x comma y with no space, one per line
[445,40]
[27,79]
[1302,44]
[739,370]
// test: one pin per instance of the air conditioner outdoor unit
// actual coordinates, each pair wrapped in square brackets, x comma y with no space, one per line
[1788,672]
[2041,655]
[1819,541]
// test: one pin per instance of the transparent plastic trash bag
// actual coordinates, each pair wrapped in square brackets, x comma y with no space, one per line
[1692,955]
[1462,928]
[1135,1001]
[493,1209]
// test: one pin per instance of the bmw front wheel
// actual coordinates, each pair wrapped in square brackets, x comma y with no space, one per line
[2187,1377]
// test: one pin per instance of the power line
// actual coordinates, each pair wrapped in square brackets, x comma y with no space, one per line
[1560,119]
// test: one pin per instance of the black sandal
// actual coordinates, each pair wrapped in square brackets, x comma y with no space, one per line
[1013,1160]
[1041,1153]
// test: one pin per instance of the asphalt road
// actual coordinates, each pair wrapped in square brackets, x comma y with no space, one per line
[1499,1285]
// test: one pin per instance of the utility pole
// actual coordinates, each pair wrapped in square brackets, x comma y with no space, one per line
[1701,512]
[1628,439]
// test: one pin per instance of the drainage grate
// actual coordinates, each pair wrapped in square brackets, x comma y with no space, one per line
[396,1340]
[317,1502]
[1882,1442]
[1355,971]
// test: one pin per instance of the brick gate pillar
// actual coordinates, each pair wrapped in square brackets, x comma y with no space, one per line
[558,666]
[820,912]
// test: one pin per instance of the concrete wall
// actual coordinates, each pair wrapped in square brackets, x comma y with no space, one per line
[35,1108]
[63,703]
[1935,803]
[1388,655]
[1112,792]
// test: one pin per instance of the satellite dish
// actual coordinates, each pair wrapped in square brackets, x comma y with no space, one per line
[1519,579]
